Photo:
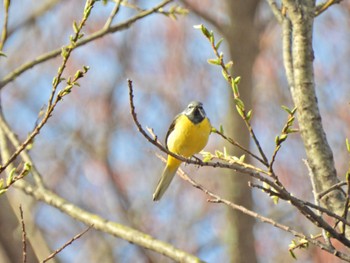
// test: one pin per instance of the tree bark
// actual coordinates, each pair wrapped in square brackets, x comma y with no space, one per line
[319,154]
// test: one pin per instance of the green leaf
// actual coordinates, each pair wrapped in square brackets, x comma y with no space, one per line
[290,121]
[239,103]
[289,130]
[204,30]
[294,110]
[86,69]
[249,115]
[304,243]
[221,129]
[347,144]
[214,61]
[9,179]
[292,254]
[223,72]
[207,156]
[2,191]
[75,27]
[234,87]
[242,158]
[27,168]
[228,65]
[237,80]
[54,81]
[286,109]
[277,140]
[275,199]
[225,152]
[1,183]
[2,54]
[240,111]
[265,185]
[212,38]
[218,154]
[283,137]
[218,44]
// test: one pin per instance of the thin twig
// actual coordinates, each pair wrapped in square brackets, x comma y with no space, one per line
[99,223]
[346,206]
[15,142]
[337,186]
[324,6]
[112,15]
[51,102]
[4,28]
[51,256]
[246,121]
[233,142]
[276,10]
[24,236]
[98,34]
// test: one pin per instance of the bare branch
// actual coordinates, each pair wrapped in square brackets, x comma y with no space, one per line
[24,236]
[66,244]
[4,127]
[233,142]
[324,6]
[113,14]
[66,52]
[101,33]
[276,10]
[337,186]
[217,199]
[4,28]
[129,234]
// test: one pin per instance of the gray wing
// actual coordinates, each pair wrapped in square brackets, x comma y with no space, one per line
[171,128]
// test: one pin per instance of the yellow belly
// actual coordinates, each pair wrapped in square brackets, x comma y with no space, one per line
[188,138]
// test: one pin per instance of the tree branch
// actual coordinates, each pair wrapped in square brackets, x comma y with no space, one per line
[324,6]
[101,33]
[318,151]
[301,205]
[217,199]
[51,256]
[106,226]
[4,33]
[24,236]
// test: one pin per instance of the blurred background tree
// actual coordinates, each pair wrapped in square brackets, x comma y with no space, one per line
[91,154]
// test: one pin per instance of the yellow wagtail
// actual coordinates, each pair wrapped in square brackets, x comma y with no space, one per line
[187,135]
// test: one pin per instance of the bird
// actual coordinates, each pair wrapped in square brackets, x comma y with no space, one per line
[187,135]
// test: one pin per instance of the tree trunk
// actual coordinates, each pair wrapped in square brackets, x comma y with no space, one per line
[319,154]
[242,36]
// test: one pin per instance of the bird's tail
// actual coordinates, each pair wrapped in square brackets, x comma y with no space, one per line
[164,182]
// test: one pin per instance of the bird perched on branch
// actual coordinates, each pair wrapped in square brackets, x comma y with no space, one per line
[187,135]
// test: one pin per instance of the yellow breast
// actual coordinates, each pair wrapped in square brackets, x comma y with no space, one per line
[188,138]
